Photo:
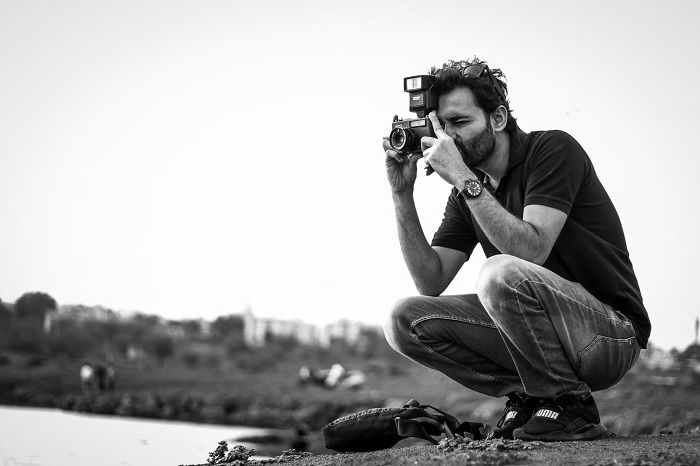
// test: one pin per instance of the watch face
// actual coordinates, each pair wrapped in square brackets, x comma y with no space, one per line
[472,188]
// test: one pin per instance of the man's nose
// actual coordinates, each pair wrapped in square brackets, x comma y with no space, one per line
[449,129]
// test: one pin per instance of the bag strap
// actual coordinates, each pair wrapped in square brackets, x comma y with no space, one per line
[416,428]
[450,419]
[450,424]
[436,425]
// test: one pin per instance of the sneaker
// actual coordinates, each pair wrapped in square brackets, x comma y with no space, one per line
[518,410]
[561,419]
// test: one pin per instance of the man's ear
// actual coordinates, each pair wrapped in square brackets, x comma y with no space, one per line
[499,118]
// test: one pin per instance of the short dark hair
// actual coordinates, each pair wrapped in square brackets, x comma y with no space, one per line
[450,77]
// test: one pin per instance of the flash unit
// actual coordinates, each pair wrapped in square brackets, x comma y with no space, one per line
[412,83]
[418,83]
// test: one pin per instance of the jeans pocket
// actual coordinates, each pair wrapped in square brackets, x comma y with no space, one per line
[604,361]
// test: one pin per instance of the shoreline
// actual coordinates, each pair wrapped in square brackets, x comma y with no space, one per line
[260,412]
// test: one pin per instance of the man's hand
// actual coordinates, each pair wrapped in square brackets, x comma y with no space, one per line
[400,168]
[442,154]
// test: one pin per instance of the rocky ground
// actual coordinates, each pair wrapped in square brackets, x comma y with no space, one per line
[668,450]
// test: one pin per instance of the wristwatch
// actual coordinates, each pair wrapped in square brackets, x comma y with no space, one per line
[472,188]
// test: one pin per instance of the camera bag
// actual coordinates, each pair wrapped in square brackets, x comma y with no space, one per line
[380,428]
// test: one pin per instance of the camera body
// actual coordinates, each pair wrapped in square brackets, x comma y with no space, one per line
[406,134]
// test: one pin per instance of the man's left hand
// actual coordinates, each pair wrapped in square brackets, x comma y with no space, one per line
[442,154]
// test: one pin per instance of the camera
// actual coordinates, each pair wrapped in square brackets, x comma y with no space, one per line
[406,134]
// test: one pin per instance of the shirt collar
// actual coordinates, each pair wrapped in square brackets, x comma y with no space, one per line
[516,153]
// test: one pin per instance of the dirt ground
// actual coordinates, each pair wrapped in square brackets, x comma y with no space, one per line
[667,450]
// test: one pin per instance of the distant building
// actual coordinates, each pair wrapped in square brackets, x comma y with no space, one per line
[180,329]
[344,330]
[174,330]
[257,331]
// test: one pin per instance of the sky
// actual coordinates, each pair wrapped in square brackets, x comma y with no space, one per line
[191,158]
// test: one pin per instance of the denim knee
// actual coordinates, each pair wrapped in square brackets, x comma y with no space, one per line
[496,278]
[397,328]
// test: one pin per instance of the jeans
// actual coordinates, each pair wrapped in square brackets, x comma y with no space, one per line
[526,330]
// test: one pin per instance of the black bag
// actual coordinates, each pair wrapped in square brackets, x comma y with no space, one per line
[380,428]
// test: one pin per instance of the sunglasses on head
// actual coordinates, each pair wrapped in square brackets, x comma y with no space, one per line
[477,71]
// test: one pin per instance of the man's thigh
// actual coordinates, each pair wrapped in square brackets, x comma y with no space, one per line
[599,342]
[603,341]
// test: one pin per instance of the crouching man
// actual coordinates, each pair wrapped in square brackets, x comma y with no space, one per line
[558,312]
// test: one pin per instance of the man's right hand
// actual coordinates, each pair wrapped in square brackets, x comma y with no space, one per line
[401,168]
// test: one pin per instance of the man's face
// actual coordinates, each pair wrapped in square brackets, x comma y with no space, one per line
[469,126]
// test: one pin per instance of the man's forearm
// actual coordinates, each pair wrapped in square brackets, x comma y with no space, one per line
[507,233]
[422,261]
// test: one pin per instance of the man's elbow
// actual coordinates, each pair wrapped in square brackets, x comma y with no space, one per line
[542,245]
[541,256]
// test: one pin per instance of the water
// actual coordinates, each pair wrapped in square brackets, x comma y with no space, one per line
[43,437]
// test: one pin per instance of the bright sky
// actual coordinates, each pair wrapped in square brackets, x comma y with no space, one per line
[184,158]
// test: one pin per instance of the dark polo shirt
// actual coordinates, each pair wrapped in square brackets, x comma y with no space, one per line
[550,168]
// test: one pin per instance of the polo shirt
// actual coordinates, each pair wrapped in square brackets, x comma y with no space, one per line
[550,168]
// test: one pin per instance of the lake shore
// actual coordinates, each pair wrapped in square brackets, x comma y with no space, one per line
[50,437]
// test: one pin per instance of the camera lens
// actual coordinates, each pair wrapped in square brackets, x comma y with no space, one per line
[397,138]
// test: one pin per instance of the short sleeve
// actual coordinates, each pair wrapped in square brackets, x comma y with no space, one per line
[456,231]
[558,168]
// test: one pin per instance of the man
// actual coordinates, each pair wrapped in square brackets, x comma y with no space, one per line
[558,312]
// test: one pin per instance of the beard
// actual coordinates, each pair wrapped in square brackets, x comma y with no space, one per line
[479,148]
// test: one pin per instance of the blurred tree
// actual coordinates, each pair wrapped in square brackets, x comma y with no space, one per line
[192,327]
[147,321]
[110,329]
[228,326]
[191,359]
[229,331]
[6,327]
[3,307]
[34,307]
[73,340]
[161,346]
[31,322]
[27,337]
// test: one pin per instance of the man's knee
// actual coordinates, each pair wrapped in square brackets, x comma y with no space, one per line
[397,327]
[496,279]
